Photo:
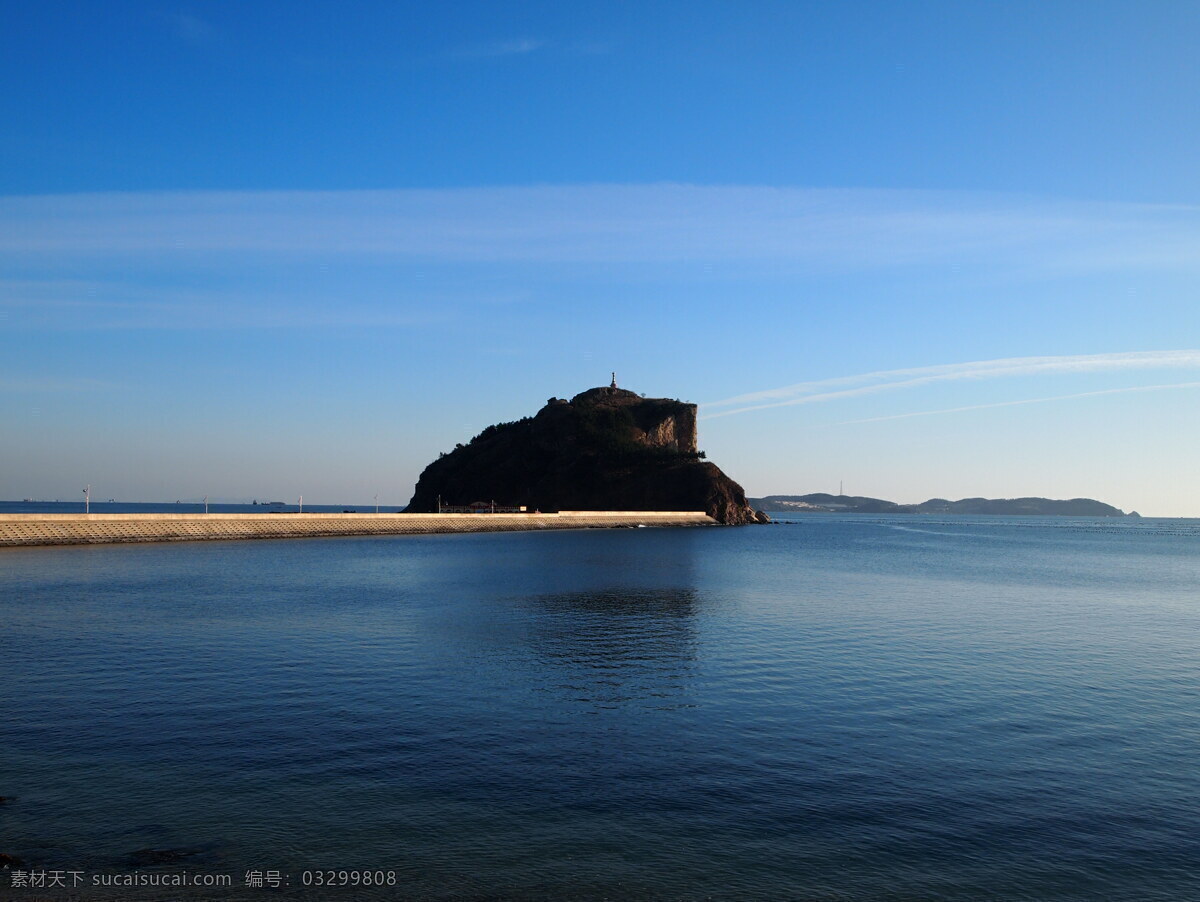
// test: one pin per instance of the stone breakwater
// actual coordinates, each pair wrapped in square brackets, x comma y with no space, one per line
[106,529]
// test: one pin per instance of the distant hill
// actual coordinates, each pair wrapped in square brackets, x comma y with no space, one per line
[1013,507]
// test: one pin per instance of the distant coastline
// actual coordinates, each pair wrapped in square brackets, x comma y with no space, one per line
[821,502]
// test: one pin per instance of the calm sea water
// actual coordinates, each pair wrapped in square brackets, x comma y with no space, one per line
[840,708]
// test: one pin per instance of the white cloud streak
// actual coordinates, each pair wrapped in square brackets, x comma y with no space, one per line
[518,47]
[809,228]
[189,28]
[79,305]
[1087,394]
[25,385]
[892,380]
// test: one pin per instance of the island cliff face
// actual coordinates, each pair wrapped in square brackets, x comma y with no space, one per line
[605,449]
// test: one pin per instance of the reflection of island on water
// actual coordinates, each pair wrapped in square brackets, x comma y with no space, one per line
[614,647]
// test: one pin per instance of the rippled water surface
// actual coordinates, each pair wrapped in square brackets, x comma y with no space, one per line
[840,708]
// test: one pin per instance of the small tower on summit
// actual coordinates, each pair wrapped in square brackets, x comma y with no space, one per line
[614,382]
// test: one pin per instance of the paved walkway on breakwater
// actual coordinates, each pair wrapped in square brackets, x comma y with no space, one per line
[105,529]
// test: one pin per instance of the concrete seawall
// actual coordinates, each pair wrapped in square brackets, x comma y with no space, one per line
[103,529]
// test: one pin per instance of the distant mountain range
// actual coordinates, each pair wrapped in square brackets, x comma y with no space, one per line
[1013,507]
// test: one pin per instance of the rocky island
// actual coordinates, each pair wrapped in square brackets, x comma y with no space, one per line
[605,449]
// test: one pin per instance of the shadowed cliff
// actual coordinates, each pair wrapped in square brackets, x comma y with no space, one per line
[605,449]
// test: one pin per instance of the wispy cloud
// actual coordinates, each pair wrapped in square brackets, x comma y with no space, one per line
[78,305]
[892,380]
[189,28]
[516,47]
[1086,394]
[818,230]
[591,48]
[24,385]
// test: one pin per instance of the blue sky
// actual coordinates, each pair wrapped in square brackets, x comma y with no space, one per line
[258,249]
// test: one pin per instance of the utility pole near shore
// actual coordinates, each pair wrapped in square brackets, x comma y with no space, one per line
[87,499]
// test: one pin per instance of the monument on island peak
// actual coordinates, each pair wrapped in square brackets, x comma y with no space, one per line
[606,448]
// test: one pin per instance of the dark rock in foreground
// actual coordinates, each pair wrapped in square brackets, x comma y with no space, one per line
[605,449]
